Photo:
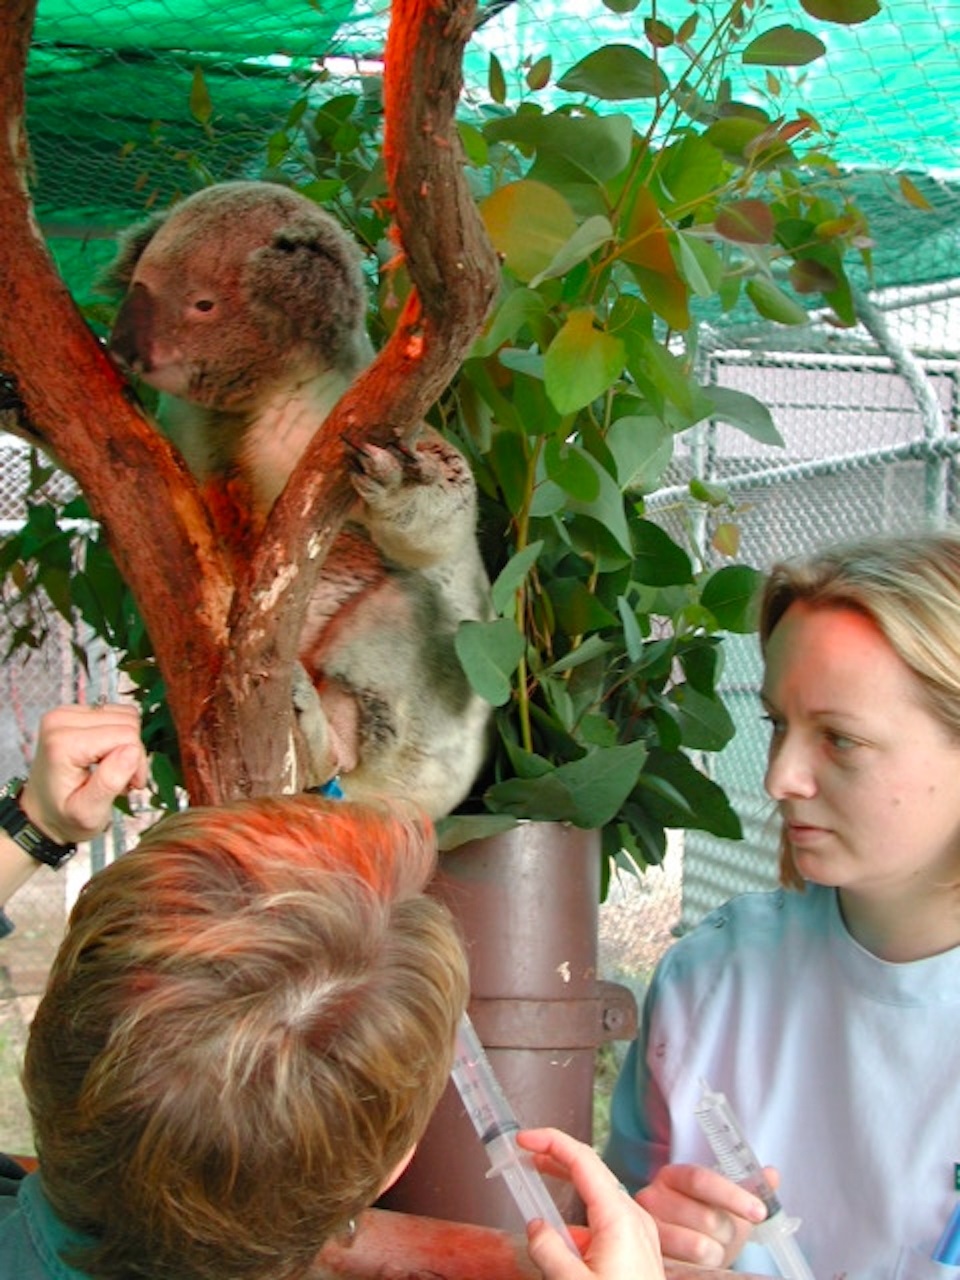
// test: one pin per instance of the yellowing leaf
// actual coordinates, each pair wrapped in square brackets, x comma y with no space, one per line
[912,196]
[201,105]
[581,363]
[528,223]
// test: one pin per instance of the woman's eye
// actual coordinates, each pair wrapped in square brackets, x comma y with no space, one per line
[840,742]
[776,726]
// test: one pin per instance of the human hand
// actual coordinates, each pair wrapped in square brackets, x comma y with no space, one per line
[702,1217]
[85,758]
[621,1239]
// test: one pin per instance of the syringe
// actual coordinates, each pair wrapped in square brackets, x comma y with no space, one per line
[497,1127]
[738,1162]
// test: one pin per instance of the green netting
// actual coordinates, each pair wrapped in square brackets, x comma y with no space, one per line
[109,101]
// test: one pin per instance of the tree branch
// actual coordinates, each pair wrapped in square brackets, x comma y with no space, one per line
[76,400]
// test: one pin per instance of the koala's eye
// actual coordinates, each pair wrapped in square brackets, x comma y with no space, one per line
[204,304]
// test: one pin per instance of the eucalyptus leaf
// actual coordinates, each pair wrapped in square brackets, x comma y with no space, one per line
[587,792]
[528,223]
[617,73]
[705,723]
[572,469]
[702,266]
[588,237]
[598,147]
[745,412]
[783,46]
[774,304]
[704,807]
[459,828]
[847,12]
[519,308]
[731,595]
[659,561]
[489,653]
[642,448]
[512,576]
[581,363]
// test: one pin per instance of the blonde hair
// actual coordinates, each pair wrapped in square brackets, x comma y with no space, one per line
[909,587]
[247,1026]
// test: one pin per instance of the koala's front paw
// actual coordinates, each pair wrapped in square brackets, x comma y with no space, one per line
[419,504]
[381,473]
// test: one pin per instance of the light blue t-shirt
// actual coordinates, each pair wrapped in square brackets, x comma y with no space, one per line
[843,1069]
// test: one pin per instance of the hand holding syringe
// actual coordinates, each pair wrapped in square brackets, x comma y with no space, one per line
[497,1127]
[737,1162]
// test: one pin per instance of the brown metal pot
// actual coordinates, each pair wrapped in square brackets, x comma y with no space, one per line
[527,904]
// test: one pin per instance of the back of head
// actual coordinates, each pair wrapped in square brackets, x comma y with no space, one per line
[247,1026]
[909,587]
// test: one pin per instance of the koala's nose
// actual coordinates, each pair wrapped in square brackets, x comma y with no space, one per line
[131,333]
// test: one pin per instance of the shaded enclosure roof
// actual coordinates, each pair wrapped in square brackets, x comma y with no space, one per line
[114,129]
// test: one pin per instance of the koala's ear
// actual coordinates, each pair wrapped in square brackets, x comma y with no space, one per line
[131,244]
[308,281]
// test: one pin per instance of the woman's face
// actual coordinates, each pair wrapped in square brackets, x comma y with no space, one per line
[866,779]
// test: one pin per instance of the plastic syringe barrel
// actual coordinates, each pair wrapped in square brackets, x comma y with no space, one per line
[738,1162]
[497,1128]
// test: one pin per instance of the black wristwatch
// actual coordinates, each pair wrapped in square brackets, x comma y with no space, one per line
[23,832]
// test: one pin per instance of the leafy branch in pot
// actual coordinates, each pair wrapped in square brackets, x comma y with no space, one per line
[616,236]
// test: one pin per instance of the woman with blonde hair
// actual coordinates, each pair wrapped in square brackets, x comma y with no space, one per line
[828,1012]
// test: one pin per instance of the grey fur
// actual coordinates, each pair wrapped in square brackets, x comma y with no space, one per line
[245,307]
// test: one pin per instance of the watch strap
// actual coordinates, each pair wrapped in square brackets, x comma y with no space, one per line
[25,834]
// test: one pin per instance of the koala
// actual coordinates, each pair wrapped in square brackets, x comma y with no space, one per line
[244,306]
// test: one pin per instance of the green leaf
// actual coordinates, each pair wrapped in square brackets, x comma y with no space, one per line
[496,81]
[572,469]
[458,829]
[528,223]
[581,363]
[588,237]
[784,46]
[538,77]
[587,792]
[688,172]
[577,609]
[519,308]
[474,143]
[642,448]
[705,723]
[773,304]
[632,635]
[596,147]
[847,12]
[658,561]
[489,653]
[704,806]
[512,576]
[606,510]
[745,412]
[616,73]
[730,594]
[593,647]
[702,266]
